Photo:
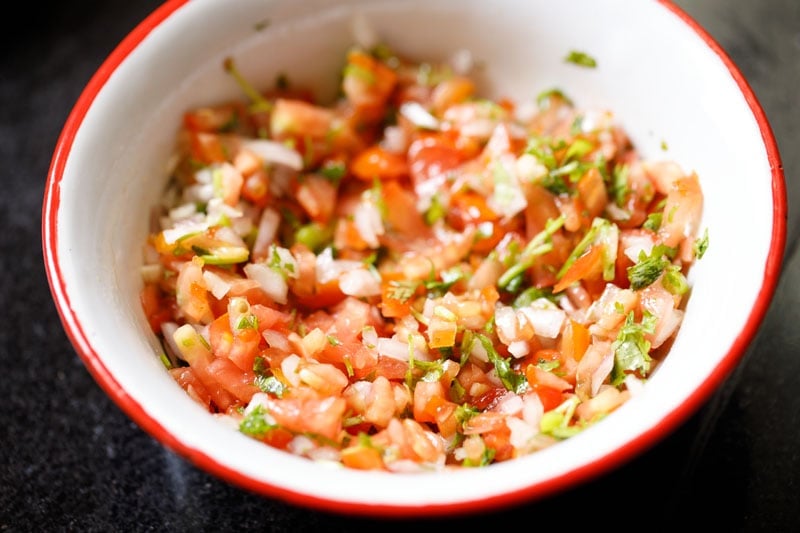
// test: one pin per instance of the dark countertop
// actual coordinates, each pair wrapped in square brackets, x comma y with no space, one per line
[71,460]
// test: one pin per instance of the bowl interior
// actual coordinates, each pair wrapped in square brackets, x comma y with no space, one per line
[671,90]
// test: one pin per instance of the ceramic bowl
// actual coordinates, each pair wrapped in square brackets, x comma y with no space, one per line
[667,82]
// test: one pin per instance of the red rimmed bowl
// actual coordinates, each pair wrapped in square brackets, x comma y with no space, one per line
[108,169]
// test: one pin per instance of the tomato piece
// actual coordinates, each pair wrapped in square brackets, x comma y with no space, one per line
[362,457]
[189,382]
[377,163]
[214,119]
[233,379]
[155,306]
[430,157]
[587,266]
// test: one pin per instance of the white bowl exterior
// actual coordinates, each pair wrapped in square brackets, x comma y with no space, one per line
[655,73]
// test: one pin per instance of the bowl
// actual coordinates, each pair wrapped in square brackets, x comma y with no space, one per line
[678,92]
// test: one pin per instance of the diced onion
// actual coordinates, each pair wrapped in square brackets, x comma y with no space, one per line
[419,116]
[216,285]
[275,152]
[271,282]
[360,283]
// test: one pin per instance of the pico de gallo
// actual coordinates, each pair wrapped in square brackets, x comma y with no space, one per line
[414,276]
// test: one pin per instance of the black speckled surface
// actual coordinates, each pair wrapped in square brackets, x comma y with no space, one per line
[70,460]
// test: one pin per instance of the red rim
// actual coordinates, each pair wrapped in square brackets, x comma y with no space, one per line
[546,488]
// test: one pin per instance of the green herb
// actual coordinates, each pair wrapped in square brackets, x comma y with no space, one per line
[359,72]
[333,171]
[402,290]
[255,423]
[314,236]
[511,380]
[545,98]
[674,280]
[631,348]
[540,244]
[701,245]
[619,184]
[556,422]
[582,59]
[602,232]
[529,295]
[435,212]
[653,221]
[248,321]
[270,385]
[650,267]
[259,103]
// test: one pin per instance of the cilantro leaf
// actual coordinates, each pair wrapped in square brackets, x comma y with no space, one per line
[255,423]
[701,245]
[631,348]
[650,267]
[511,380]
[582,59]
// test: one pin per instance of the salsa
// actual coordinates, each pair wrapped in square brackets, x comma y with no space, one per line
[415,276]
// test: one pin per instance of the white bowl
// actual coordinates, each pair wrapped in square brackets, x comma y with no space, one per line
[661,74]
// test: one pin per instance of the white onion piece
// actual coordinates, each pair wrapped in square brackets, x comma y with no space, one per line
[546,322]
[289,369]
[419,116]
[668,325]
[167,330]
[522,433]
[360,283]
[267,229]
[634,384]
[301,445]
[532,409]
[634,244]
[602,371]
[216,285]
[275,152]
[394,140]
[509,404]
[183,229]
[270,281]
[519,349]
[276,339]
[367,219]
[392,348]
[183,211]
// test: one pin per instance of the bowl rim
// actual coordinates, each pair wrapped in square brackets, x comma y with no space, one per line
[599,466]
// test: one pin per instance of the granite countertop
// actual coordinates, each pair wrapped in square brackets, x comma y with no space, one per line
[71,460]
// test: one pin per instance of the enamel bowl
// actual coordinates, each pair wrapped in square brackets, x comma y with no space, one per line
[679,90]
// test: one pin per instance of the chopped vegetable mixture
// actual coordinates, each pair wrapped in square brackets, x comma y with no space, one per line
[415,276]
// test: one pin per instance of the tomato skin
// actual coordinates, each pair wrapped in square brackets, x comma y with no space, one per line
[431,156]
[588,266]
[156,307]
[377,163]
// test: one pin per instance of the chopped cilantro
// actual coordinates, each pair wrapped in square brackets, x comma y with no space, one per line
[248,321]
[582,59]
[511,380]
[650,267]
[526,297]
[255,423]
[631,348]
[619,184]
[435,212]
[402,290]
[545,98]
[653,221]
[540,244]
[701,245]
[270,385]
